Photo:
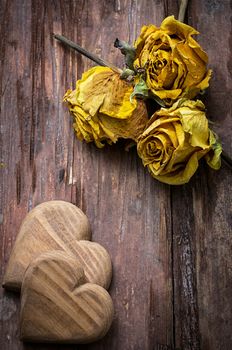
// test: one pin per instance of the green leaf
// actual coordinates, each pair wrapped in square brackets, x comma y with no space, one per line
[128,51]
[127,74]
[140,90]
[157,99]
[213,158]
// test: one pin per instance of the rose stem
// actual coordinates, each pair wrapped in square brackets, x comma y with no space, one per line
[182,10]
[86,53]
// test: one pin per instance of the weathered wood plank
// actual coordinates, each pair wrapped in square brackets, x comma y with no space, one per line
[155,240]
[129,212]
[214,247]
[202,232]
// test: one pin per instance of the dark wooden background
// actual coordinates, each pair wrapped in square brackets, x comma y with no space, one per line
[171,247]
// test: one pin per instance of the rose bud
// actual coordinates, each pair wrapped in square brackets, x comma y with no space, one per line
[102,109]
[174,141]
[173,62]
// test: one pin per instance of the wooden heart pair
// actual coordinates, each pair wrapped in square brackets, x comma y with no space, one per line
[63,277]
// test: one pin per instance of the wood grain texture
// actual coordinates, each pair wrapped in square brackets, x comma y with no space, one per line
[212,192]
[57,225]
[59,305]
[170,247]
[52,225]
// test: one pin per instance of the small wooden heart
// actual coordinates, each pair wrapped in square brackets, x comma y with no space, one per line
[35,238]
[57,305]
[53,225]
[95,261]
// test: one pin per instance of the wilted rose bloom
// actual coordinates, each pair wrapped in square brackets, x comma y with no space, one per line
[174,141]
[174,62]
[102,110]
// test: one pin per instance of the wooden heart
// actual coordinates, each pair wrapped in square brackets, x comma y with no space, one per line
[95,261]
[57,305]
[53,225]
[43,230]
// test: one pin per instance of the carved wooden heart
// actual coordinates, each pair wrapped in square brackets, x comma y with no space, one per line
[57,305]
[57,225]
[95,261]
[54,225]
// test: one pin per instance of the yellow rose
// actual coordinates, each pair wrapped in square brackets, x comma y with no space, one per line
[174,63]
[174,141]
[102,110]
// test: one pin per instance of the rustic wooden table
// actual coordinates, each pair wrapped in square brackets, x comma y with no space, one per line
[171,246]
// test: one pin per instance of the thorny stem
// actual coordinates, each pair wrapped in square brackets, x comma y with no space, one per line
[225,157]
[86,53]
[182,10]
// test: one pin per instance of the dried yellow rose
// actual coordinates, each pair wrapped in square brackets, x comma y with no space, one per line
[174,141]
[102,109]
[174,63]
